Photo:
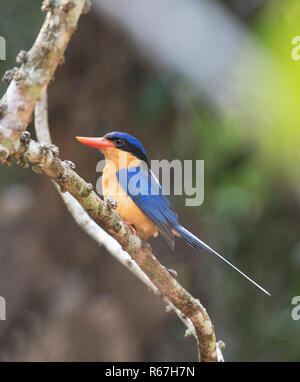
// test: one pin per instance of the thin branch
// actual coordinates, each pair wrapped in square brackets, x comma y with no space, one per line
[220,345]
[41,122]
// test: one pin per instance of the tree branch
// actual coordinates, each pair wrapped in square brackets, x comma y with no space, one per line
[20,99]
[45,160]
[90,227]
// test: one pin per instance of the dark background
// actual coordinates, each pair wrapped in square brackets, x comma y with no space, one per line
[68,299]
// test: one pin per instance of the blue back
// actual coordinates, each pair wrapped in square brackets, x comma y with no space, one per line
[141,185]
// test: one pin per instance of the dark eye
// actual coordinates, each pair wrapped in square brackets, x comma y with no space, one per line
[120,142]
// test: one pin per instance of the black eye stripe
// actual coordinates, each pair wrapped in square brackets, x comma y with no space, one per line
[120,142]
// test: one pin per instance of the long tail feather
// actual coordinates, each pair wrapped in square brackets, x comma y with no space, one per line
[197,243]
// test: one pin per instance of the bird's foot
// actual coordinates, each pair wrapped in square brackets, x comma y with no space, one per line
[131,226]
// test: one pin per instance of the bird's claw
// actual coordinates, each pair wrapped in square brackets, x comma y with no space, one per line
[131,226]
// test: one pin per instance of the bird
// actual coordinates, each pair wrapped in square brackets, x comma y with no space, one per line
[143,206]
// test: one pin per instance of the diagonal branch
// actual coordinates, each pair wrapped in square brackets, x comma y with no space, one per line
[45,160]
[93,229]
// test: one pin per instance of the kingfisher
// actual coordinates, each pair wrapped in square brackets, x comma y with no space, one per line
[142,204]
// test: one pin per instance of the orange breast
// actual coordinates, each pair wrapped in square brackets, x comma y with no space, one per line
[127,209]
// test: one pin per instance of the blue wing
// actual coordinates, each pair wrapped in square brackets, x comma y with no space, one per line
[144,189]
[141,185]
